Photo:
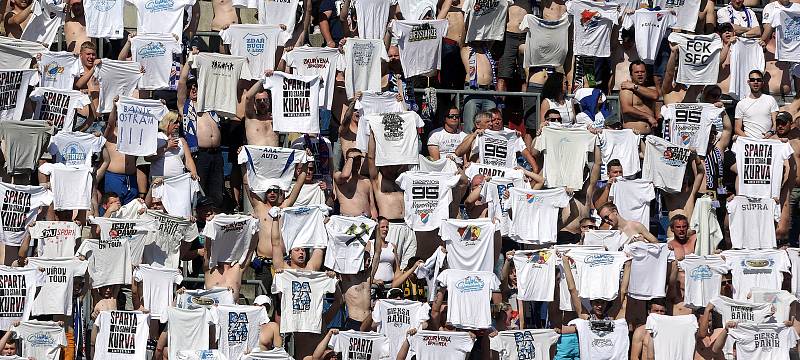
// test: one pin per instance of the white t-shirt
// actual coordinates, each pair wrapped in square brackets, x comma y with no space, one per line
[58,106]
[493,171]
[217,80]
[231,236]
[741,311]
[685,12]
[703,277]
[118,236]
[274,354]
[470,244]
[468,297]
[41,340]
[17,291]
[485,19]
[279,12]
[763,341]
[238,328]
[161,16]
[745,55]
[781,301]
[760,166]
[75,148]
[137,125]
[206,299]
[256,43]
[756,115]
[72,186]
[752,222]
[157,283]
[632,198]
[493,194]
[756,268]
[699,58]
[269,166]
[178,194]
[324,62]
[565,155]
[534,214]
[122,335]
[443,165]
[672,335]
[362,63]
[612,240]
[374,103]
[744,18]
[546,40]
[427,198]
[395,317]
[55,297]
[592,26]
[357,345]
[164,249]
[58,70]
[13,90]
[372,17]
[689,124]
[648,270]
[664,165]
[420,43]
[602,339]
[622,145]
[301,300]
[116,78]
[416,9]
[396,137]
[787,44]
[499,148]
[295,102]
[45,22]
[207,355]
[536,274]
[188,329]
[599,272]
[440,345]
[154,52]
[104,18]
[651,26]
[528,344]
[19,206]
[55,238]
[446,142]
[304,226]
[347,237]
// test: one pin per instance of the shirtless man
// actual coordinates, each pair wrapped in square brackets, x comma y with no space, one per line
[778,73]
[353,190]
[632,229]
[224,16]
[682,242]
[452,42]
[75,26]
[484,74]
[17,19]
[671,90]
[202,135]
[706,18]
[642,342]
[270,335]
[614,170]
[510,61]
[255,109]
[356,290]
[793,108]
[118,170]
[637,100]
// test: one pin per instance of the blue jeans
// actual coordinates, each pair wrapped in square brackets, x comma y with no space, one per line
[473,105]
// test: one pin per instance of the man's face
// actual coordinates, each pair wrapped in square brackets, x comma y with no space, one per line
[77,8]
[87,57]
[107,291]
[755,82]
[157,205]
[113,202]
[609,217]
[9,349]
[782,128]
[587,226]
[383,227]
[598,307]
[453,118]
[193,92]
[22,3]
[658,309]
[393,53]
[298,256]
[272,196]
[497,122]
[737,3]
[262,103]
[638,74]
[681,229]
[614,171]
[482,122]
[713,95]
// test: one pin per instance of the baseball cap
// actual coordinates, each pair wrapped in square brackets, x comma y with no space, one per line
[394,292]
[262,299]
[783,116]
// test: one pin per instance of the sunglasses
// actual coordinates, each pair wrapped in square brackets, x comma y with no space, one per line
[452,116]
[756,79]
[558,118]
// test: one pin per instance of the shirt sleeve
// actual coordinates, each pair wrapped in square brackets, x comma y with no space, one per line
[46,168]
[330,285]
[334,343]
[465,343]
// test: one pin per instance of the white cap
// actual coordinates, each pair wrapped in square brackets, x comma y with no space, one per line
[262,299]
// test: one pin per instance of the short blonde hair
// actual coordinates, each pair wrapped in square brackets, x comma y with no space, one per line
[167,119]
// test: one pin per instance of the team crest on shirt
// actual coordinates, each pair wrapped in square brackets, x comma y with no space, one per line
[533,199]
[538,257]
[483,7]
[470,284]
[159,5]
[469,233]
[103,5]
[791,31]
[74,154]
[424,217]
[151,50]
[255,43]
[526,349]
[52,70]
[590,19]
[702,272]
[599,260]
[40,339]
[675,156]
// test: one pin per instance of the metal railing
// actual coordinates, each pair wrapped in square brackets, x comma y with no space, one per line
[259,287]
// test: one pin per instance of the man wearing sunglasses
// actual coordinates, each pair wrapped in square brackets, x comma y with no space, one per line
[632,230]
[755,115]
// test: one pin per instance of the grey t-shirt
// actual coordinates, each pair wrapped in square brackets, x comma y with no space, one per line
[24,143]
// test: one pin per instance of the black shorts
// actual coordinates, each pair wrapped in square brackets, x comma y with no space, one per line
[509,65]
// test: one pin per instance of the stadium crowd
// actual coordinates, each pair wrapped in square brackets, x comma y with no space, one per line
[445,180]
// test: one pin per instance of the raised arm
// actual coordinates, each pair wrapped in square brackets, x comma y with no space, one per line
[577,306]
[623,290]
